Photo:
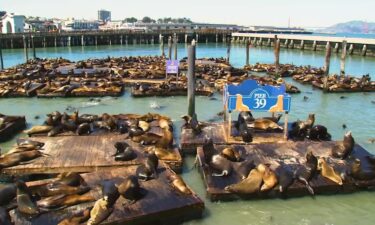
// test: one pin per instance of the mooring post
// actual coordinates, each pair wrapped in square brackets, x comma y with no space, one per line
[162,45]
[364,50]
[191,79]
[175,46]
[326,66]
[216,38]
[351,49]
[269,42]
[25,47]
[314,46]
[196,38]
[302,47]
[291,44]
[33,44]
[169,47]
[55,41]
[120,39]
[247,52]
[1,55]
[286,44]
[82,40]
[69,41]
[228,51]
[44,42]
[286,125]
[186,38]
[277,54]
[260,41]
[343,57]
[336,49]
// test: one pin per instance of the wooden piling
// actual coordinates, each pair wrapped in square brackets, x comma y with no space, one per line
[286,44]
[314,46]
[277,53]
[216,38]
[55,41]
[186,38]
[364,50]
[291,45]
[302,46]
[1,55]
[343,57]
[191,79]
[260,41]
[196,38]
[336,49]
[25,48]
[33,45]
[162,45]
[269,42]
[175,46]
[326,66]
[228,51]
[351,49]
[169,47]
[247,52]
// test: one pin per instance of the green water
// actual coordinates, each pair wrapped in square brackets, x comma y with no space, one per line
[356,111]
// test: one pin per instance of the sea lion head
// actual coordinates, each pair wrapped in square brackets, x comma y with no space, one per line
[262,168]
[321,163]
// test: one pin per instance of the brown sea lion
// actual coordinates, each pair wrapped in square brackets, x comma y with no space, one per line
[264,124]
[192,123]
[209,150]
[38,130]
[221,164]
[231,154]
[249,185]
[345,148]
[56,188]
[29,143]
[358,172]
[15,159]
[243,168]
[149,169]
[274,119]
[327,171]
[130,189]
[164,154]
[100,211]
[310,121]
[144,125]
[110,190]
[70,178]
[178,183]
[24,200]
[269,177]
[7,193]
[77,218]
[62,201]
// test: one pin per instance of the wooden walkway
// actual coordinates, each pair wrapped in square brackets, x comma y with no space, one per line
[161,205]
[291,153]
[217,131]
[82,154]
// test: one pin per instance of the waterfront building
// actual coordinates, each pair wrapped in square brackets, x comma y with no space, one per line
[104,15]
[39,25]
[73,24]
[12,23]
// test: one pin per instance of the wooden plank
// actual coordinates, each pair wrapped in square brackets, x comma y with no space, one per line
[161,205]
[291,153]
[12,125]
[82,154]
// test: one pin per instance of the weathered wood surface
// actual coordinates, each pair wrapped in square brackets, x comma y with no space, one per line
[175,92]
[82,154]
[161,205]
[217,131]
[12,127]
[291,153]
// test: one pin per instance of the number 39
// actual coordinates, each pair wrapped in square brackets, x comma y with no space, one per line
[260,103]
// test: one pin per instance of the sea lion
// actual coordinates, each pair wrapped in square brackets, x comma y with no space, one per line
[29,143]
[345,149]
[83,129]
[62,201]
[303,174]
[24,201]
[130,189]
[246,133]
[144,125]
[269,177]
[110,191]
[77,218]
[311,162]
[7,193]
[135,131]
[4,217]
[327,171]
[101,210]
[56,188]
[178,183]
[249,185]
[192,123]
[221,164]
[318,133]
[243,168]
[310,121]
[285,177]
[299,130]
[147,138]
[208,150]
[231,154]
[38,130]
[15,159]
[148,170]
[358,172]
[244,117]
[55,131]
[273,118]
[70,178]
[265,124]
[127,155]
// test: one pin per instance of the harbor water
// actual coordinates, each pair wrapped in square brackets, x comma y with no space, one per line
[355,110]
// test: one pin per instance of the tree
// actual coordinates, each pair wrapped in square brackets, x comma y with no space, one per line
[147,19]
[130,20]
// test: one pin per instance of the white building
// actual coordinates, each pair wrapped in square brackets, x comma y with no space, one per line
[13,23]
[73,24]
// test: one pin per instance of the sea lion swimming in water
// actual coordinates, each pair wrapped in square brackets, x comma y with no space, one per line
[327,171]
[24,200]
[249,185]
[345,149]
[4,217]
[77,218]
[130,189]
[7,193]
[101,210]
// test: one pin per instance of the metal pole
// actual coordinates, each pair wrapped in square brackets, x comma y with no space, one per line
[326,66]
[32,42]
[25,48]
[1,55]
[343,56]
[247,52]
[169,47]
[191,79]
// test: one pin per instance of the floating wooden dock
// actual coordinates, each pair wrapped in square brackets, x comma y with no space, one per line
[161,205]
[291,153]
[11,126]
[174,92]
[82,154]
[218,133]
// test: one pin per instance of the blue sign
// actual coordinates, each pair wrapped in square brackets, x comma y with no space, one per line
[251,96]
[172,67]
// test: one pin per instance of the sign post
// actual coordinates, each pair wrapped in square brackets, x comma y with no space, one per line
[172,68]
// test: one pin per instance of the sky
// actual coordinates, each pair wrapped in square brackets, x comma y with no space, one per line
[302,13]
